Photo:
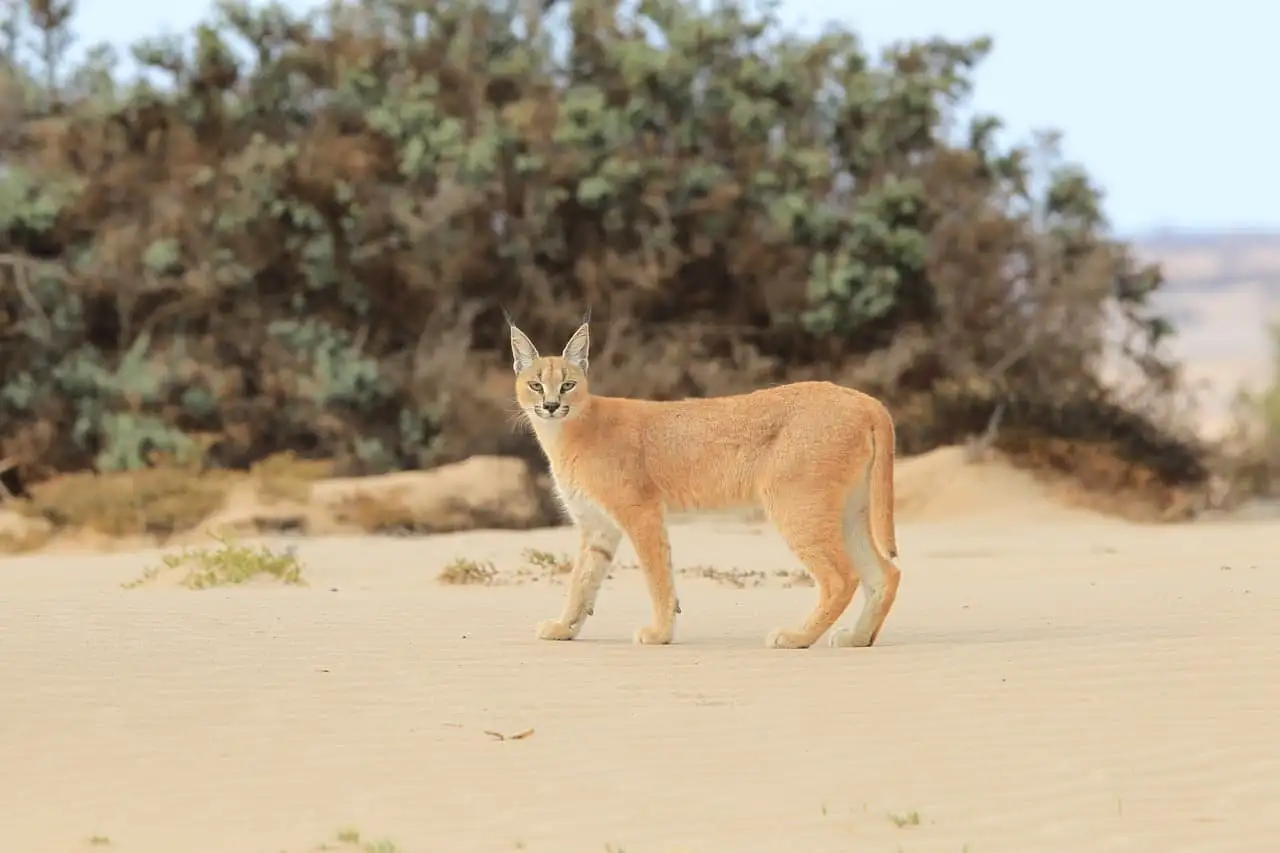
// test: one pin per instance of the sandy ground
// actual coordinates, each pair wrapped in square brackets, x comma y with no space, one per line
[1062,684]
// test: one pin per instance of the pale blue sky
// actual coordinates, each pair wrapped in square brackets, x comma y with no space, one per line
[1142,91]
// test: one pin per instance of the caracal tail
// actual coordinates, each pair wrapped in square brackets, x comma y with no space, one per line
[817,457]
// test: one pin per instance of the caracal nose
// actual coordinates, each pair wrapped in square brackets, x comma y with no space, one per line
[551,407]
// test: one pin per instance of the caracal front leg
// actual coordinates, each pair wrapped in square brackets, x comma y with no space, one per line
[598,540]
[648,534]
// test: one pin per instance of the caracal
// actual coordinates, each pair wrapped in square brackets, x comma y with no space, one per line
[817,457]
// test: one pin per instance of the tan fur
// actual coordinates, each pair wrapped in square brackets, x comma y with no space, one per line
[817,457]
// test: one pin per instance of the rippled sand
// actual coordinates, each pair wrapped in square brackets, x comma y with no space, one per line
[1067,685]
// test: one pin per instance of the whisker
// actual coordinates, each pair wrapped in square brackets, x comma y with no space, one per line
[518,419]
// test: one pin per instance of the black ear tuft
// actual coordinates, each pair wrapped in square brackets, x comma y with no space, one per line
[506,316]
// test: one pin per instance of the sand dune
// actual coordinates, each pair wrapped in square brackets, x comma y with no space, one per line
[942,485]
[1044,684]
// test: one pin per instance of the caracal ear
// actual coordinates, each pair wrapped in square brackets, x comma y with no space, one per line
[576,351]
[523,352]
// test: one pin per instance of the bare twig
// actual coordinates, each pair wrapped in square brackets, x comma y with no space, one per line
[978,448]
[21,266]
[517,736]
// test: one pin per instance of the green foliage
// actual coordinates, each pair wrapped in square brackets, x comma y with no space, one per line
[298,239]
[30,202]
[229,564]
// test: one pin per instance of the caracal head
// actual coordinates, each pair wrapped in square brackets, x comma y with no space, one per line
[555,387]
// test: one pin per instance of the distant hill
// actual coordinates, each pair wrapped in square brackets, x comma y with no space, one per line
[1206,261]
[1221,291]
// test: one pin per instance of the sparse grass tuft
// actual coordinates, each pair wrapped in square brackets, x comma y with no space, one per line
[794,577]
[226,565]
[739,578]
[548,562]
[462,572]
[99,841]
[349,837]
[911,818]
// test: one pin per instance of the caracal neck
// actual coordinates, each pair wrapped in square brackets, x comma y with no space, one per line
[550,431]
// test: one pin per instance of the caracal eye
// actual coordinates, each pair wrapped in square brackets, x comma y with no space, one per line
[567,387]
[536,387]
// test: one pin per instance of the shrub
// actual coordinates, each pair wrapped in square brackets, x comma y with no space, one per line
[300,241]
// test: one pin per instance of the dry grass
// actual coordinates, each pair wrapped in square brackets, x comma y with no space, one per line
[545,565]
[26,540]
[739,578]
[383,516]
[285,477]
[465,572]
[1097,476]
[153,501]
[160,501]
[1251,464]
[548,563]
[743,578]
[794,577]
[227,565]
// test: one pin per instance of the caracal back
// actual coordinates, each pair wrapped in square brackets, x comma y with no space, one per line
[817,457]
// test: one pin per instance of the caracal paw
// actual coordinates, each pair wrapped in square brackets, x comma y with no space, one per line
[651,636]
[848,638]
[782,639]
[554,629]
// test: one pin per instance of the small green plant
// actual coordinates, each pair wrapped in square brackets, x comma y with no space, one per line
[901,821]
[463,572]
[382,845]
[226,565]
[349,835]
[99,841]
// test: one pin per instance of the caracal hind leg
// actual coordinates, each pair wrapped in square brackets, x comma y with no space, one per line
[812,529]
[648,534]
[597,543]
[878,574]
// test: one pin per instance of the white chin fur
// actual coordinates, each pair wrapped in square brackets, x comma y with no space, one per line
[558,415]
